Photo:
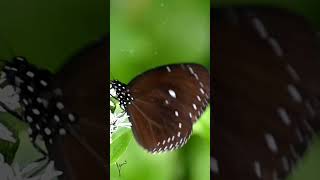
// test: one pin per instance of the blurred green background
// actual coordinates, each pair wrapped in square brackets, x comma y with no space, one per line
[145,34]
[308,168]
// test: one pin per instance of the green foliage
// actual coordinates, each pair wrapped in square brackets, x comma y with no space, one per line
[120,142]
[9,149]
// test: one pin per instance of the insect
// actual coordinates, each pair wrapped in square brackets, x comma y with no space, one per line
[266,92]
[66,114]
[163,103]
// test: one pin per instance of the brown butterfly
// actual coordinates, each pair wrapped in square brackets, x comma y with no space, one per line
[266,92]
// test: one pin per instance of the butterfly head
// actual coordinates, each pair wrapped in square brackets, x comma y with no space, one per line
[121,92]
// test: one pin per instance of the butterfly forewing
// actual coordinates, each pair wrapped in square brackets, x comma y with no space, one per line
[167,100]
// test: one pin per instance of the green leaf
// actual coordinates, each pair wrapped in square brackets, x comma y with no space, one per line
[9,149]
[113,104]
[120,142]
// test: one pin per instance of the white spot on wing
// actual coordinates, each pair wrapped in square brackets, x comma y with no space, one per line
[172,93]
[44,83]
[299,135]
[275,46]
[30,74]
[36,111]
[271,143]
[284,116]
[56,117]
[71,117]
[196,76]
[194,106]
[191,70]
[168,69]
[214,165]
[62,131]
[47,131]
[292,72]
[310,109]
[59,105]
[166,101]
[285,163]
[308,126]
[176,113]
[257,169]
[29,119]
[293,91]
[260,28]
[201,90]
[30,88]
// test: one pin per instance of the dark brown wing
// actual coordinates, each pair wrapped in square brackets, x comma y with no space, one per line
[264,86]
[166,102]
[83,82]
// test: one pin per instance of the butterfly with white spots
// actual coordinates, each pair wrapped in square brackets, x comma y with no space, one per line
[266,92]
[163,103]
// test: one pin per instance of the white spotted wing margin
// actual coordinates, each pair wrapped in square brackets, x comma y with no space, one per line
[167,101]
